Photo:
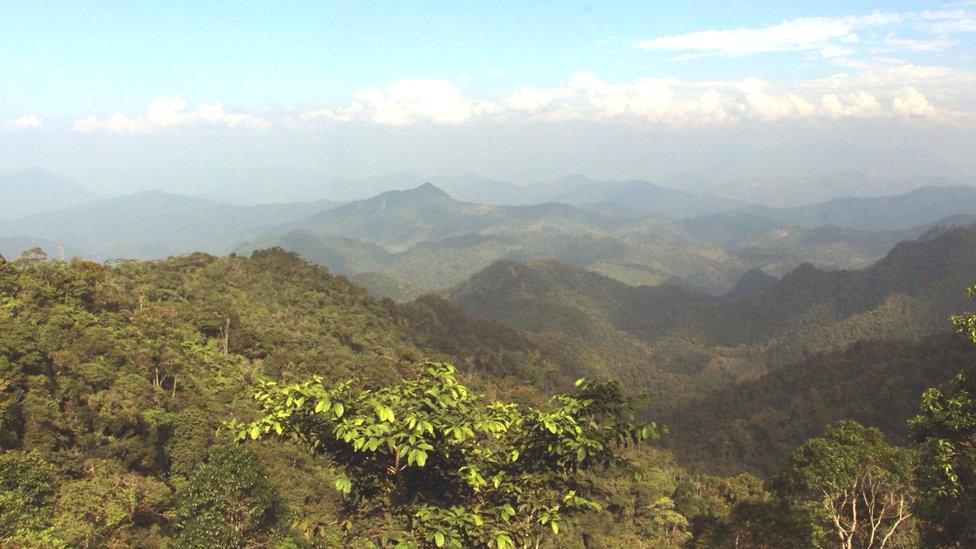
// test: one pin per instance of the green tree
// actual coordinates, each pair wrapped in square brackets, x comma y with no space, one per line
[229,502]
[857,486]
[427,462]
[109,506]
[946,477]
[28,488]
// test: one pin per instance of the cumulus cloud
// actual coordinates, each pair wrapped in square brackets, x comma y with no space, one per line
[26,122]
[166,113]
[911,102]
[407,101]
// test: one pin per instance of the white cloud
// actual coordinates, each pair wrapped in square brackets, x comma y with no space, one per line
[347,114]
[535,99]
[167,113]
[408,101]
[834,38]
[911,102]
[26,122]
[947,21]
[916,45]
[825,34]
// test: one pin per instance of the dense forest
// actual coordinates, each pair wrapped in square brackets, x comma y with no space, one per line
[261,401]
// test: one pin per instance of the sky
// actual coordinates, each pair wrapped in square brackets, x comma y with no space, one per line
[124,96]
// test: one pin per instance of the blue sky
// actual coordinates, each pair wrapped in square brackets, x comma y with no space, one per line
[82,71]
[72,58]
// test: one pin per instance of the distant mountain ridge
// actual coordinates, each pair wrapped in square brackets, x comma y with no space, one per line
[425,237]
[28,192]
[154,224]
[917,207]
[400,219]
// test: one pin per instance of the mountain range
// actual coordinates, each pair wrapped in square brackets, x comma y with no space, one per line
[667,336]
[423,238]
[426,238]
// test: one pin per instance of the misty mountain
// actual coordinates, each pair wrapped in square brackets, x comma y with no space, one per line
[792,191]
[427,238]
[400,219]
[637,198]
[918,207]
[471,188]
[29,192]
[433,265]
[154,224]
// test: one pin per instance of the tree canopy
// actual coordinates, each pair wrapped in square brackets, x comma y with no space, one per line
[426,461]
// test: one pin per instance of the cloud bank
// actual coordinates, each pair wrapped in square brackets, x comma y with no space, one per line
[166,113]
[900,91]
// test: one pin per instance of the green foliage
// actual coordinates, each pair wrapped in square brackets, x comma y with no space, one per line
[229,502]
[946,431]
[28,489]
[109,506]
[426,461]
[856,485]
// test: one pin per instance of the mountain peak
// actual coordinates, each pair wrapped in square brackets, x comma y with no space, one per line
[428,189]
[752,284]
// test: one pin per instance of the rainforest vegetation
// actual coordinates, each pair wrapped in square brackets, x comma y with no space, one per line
[263,402]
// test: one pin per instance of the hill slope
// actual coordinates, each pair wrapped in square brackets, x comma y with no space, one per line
[628,332]
[755,424]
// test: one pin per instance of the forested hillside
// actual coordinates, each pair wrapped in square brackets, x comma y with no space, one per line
[755,424]
[121,389]
[635,332]
[119,378]
[115,383]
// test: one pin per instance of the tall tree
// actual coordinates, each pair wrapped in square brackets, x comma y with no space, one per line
[857,485]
